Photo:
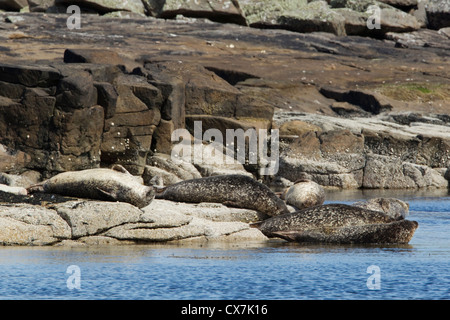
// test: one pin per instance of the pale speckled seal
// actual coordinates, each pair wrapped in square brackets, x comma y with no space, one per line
[115,184]
[338,223]
[304,194]
[233,190]
[394,208]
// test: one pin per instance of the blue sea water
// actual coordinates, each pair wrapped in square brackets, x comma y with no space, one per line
[288,271]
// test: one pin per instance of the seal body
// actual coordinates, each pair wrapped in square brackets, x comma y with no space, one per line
[103,184]
[394,208]
[233,190]
[399,232]
[338,223]
[304,194]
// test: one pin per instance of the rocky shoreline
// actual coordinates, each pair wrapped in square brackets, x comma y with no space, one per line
[355,109]
[59,221]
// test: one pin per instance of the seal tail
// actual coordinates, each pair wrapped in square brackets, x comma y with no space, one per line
[255,224]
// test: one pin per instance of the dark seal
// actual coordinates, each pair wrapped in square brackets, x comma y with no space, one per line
[114,184]
[232,190]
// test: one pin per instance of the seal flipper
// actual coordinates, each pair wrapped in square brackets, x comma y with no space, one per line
[120,168]
[108,195]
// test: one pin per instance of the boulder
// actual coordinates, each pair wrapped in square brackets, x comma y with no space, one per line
[438,14]
[369,101]
[13,5]
[397,232]
[13,190]
[392,173]
[212,211]
[151,173]
[30,75]
[181,169]
[297,128]
[24,179]
[304,194]
[104,6]
[299,16]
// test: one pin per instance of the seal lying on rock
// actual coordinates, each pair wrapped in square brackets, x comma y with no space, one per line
[233,190]
[394,208]
[14,190]
[338,223]
[115,184]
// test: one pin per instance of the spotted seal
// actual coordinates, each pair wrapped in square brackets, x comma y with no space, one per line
[233,190]
[338,223]
[115,184]
[304,193]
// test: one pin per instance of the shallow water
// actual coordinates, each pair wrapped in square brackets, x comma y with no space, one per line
[248,271]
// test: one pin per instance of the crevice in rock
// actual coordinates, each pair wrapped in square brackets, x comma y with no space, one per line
[231,76]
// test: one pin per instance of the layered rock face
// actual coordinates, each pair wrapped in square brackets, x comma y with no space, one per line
[353,112]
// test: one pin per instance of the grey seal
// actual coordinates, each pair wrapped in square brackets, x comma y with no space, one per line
[398,232]
[115,184]
[394,208]
[339,223]
[304,193]
[14,190]
[233,190]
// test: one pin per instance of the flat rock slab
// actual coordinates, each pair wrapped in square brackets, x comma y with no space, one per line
[91,217]
[205,210]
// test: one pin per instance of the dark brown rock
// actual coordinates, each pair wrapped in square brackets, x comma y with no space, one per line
[29,75]
[76,90]
[106,97]
[99,56]
[341,141]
